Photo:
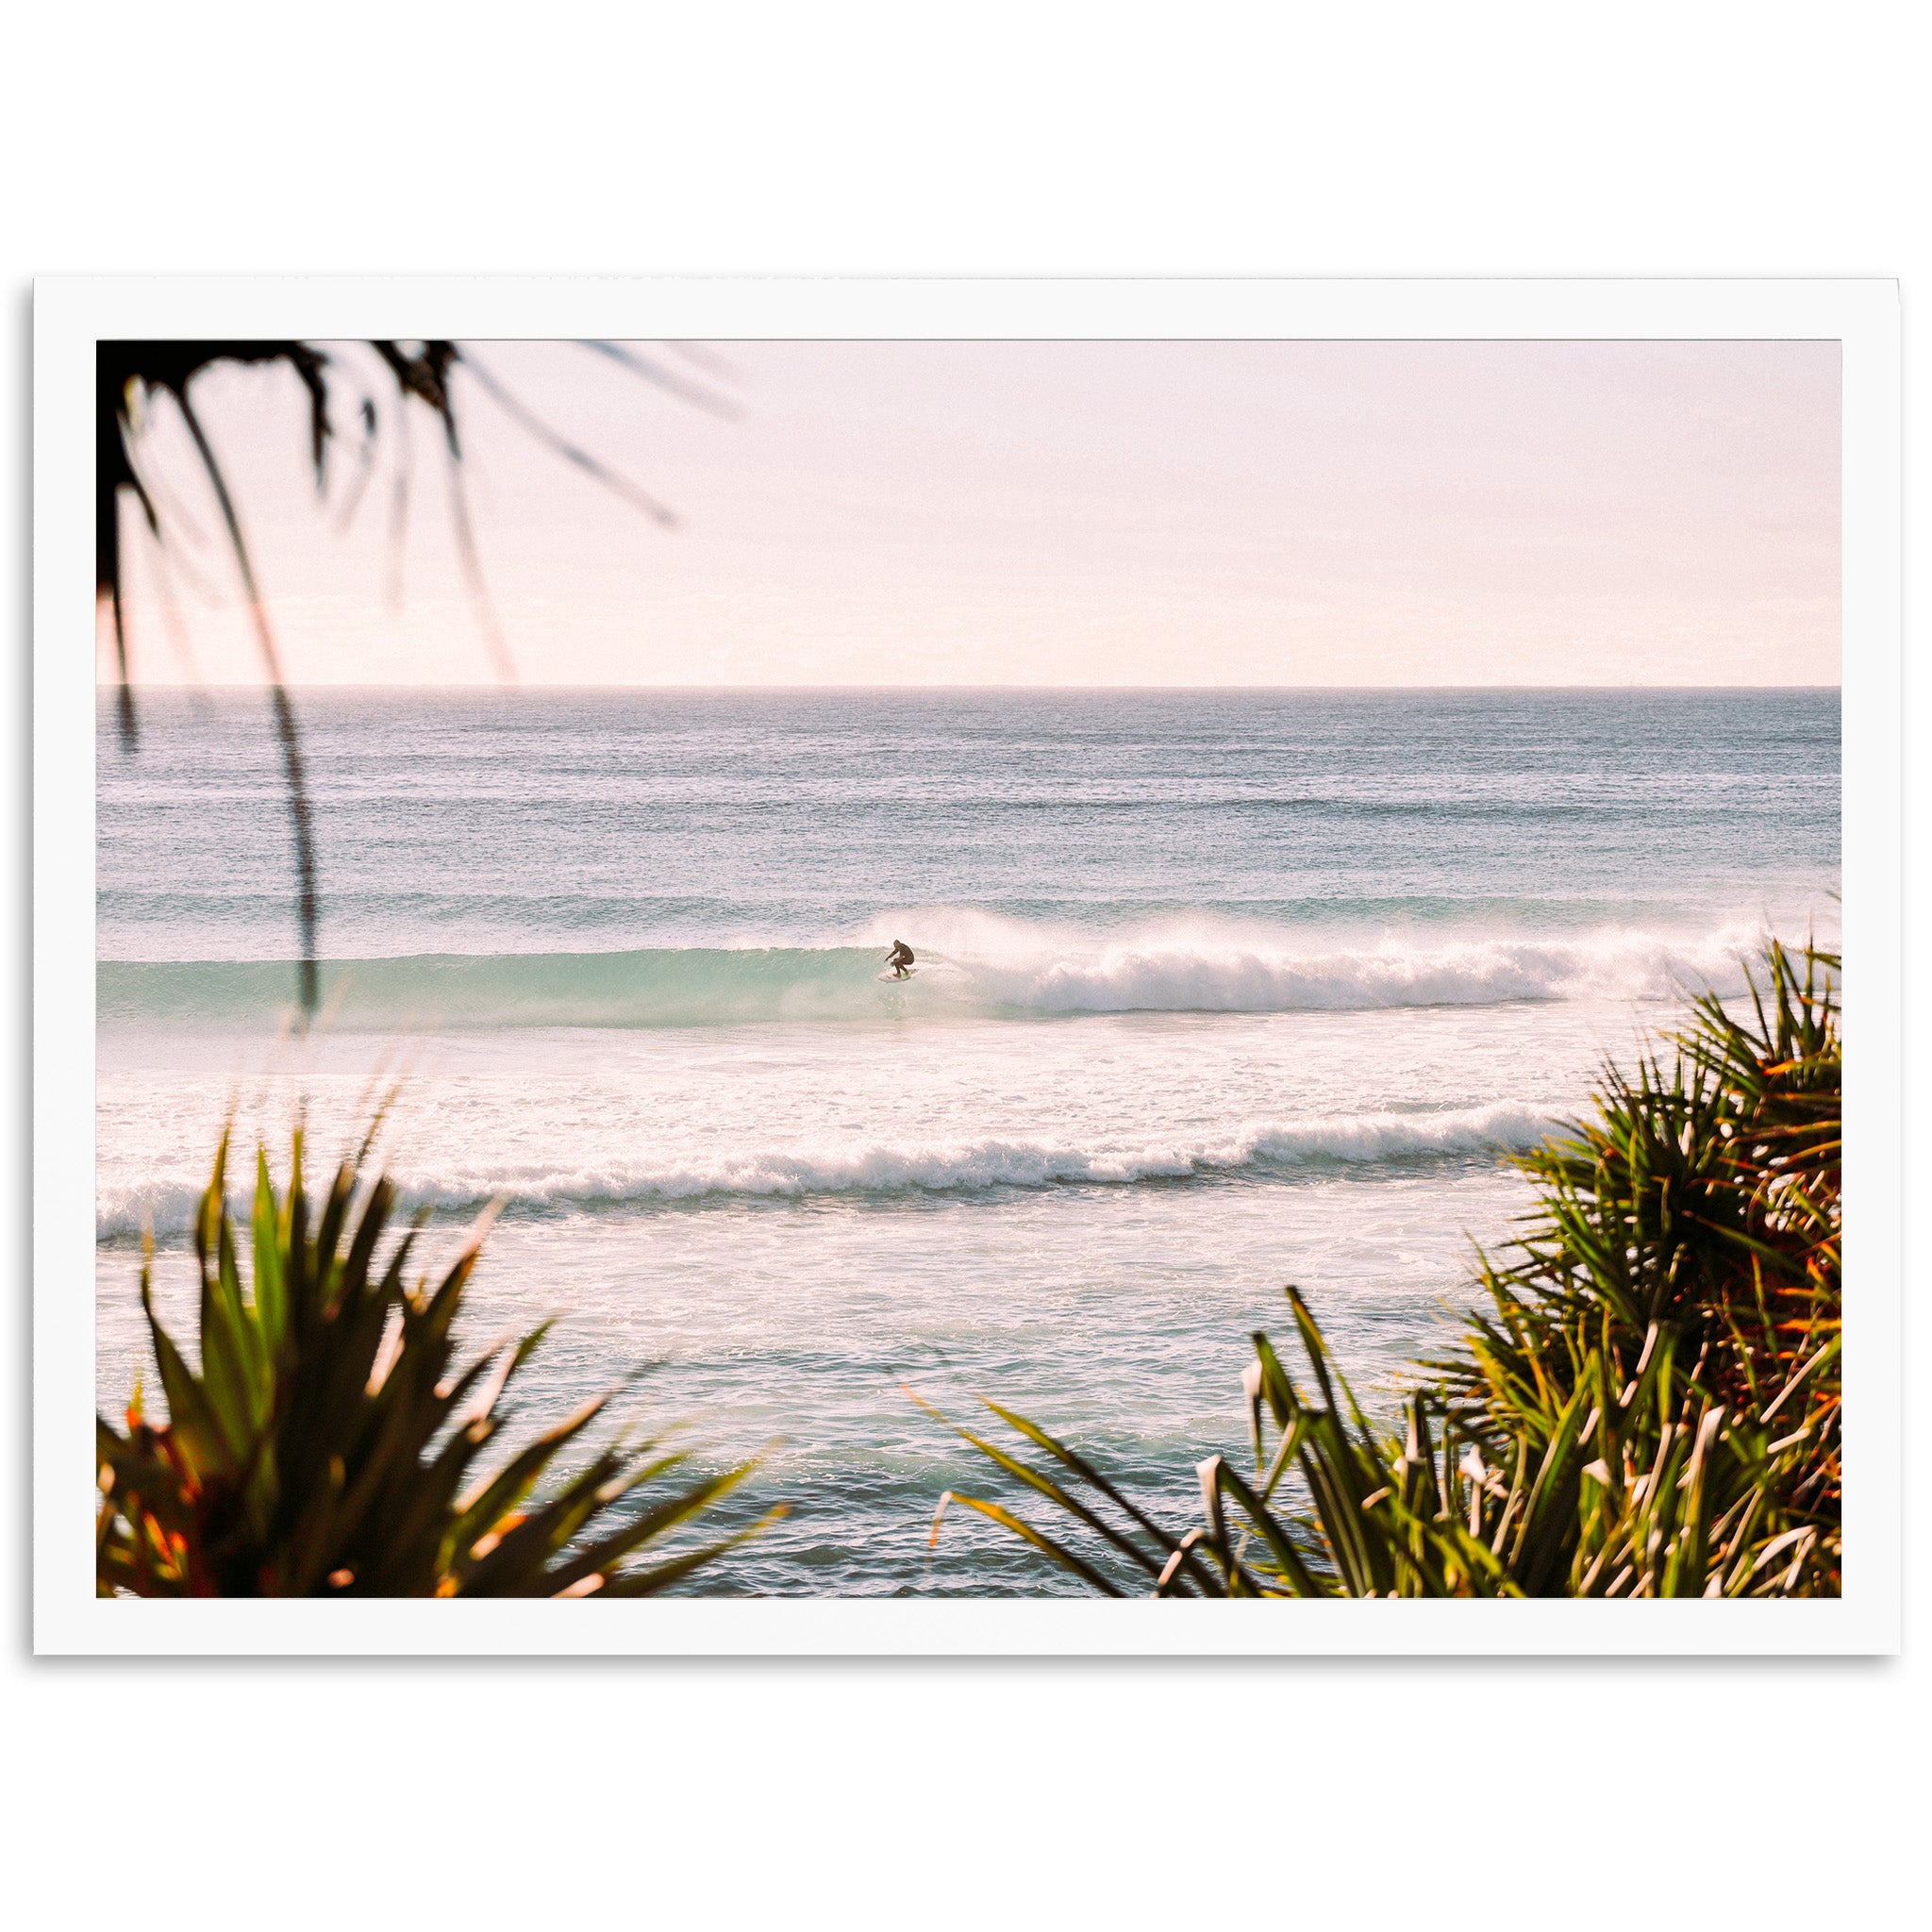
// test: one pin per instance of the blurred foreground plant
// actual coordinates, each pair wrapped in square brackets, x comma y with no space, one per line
[327,1444]
[1649,1405]
[133,379]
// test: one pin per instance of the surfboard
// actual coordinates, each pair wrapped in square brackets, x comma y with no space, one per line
[907,974]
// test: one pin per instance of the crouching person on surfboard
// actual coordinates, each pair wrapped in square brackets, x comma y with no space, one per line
[900,959]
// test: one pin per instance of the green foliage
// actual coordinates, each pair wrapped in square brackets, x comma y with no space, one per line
[1649,1404]
[329,1442]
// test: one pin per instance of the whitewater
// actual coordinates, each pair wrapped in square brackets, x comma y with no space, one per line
[998,967]
[1216,991]
[888,1168]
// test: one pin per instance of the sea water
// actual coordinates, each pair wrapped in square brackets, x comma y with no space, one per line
[1216,991]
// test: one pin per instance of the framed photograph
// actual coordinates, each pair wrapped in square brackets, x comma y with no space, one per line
[904,966]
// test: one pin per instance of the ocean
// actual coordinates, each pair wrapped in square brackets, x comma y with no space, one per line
[1215,990]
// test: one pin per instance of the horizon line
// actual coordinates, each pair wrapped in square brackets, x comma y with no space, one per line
[507,689]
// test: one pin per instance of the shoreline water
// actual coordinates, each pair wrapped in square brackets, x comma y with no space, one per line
[1174,1040]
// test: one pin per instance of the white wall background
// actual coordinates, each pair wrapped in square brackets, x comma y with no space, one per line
[1519,139]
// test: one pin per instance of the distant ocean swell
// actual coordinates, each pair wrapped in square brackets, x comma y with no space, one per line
[879,1168]
[697,986]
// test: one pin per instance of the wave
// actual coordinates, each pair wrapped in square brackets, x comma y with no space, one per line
[887,1169]
[1129,978]
[967,966]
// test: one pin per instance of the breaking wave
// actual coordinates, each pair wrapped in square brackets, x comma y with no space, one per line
[885,1169]
[1013,971]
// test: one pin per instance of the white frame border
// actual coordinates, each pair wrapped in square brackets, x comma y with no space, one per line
[72,313]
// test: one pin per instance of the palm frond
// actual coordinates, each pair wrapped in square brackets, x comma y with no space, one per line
[329,1442]
[1647,1404]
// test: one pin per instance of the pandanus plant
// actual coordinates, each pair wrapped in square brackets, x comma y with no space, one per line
[329,1442]
[1649,1405]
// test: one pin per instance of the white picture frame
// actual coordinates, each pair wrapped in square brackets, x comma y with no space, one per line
[72,314]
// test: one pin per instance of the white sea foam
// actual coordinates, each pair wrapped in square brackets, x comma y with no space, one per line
[861,1168]
[967,966]
[1195,969]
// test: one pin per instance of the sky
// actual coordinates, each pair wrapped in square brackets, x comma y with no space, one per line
[1039,513]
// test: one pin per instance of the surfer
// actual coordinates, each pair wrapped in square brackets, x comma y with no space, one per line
[900,959]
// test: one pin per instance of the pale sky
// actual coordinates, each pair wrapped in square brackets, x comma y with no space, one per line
[1040,513]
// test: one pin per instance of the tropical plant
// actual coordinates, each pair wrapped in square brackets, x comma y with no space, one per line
[1648,1404]
[329,1442]
[133,377]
